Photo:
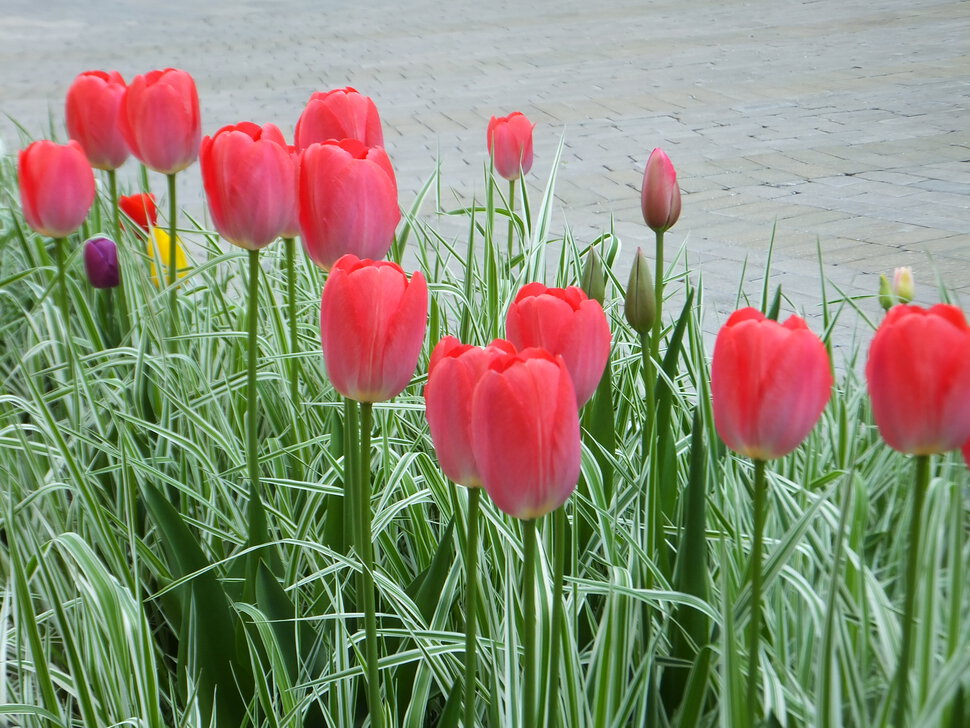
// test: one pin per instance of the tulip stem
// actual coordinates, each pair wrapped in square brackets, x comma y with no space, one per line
[511,221]
[912,562]
[172,260]
[658,298]
[366,554]
[471,604]
[529,623]
[754,625]
[559,570]
[257,516]
[116,218]
[291,311]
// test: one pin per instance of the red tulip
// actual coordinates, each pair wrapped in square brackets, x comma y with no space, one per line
[510,144]
[372,323]
[660,195]
[160,120]
[348,201]
[343,113]
[919,379]
[769,383]
[525,432]
[101,262]
[563,321]
[92,114]
[248,174]
[141,208]
[56,187]
[453,372]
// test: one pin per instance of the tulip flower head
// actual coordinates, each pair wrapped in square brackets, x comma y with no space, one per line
[660,194]
[640,304]
[563,321]
[918,374]
[453,373]
[249,178]
[92,114]
[56,187]
[525,432]
[510,144]
[348,201]
[372,325]
[903,286]
[101,262]
[141,208]
[160,120]
[343,113]
[769,383]
[159,247]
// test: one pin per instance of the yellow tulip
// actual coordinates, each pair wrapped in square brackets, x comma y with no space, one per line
[159,246]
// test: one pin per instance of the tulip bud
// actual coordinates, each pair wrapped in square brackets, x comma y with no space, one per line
[160,246]
[509,141]
[886,298]
[903,286]
[56,187]
[101,262]
[594,279]
[141,208]
[640,306]
[660,195]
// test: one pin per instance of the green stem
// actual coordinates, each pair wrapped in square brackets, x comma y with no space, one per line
[754,625]
[511,223]
[123,317]
[529,625]
[471,604]
[658,299]
[62,304]
[257,516]
[365,544]
[291,311]
[922,479]
[172,259]
[559,570]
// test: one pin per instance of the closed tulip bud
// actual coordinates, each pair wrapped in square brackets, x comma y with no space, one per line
[56,187]
[160,120]
[101,262]
[348,201]
[918,374]
[92,114]
[769,383]
[886,298]
[903,286]
[159,247]
[372,325]
[249,178]
[525,432]
[563,321]
[343,113]
[660,194]
[510,144]
[640,304]
[453,373]
[141,208]
[594,279]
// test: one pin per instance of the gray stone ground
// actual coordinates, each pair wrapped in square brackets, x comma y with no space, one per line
[840,122]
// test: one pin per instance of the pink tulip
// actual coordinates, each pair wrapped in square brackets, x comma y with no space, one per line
[510,144]
[525,432]
[248,174]
[343,113]
[660,195]
[453,372]
[92,114]
[918,373]
[160,120]
[769,383]
[348,201]
[372,324]
[563,321]
[56,187]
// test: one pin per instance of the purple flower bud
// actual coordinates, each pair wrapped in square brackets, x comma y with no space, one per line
[101,262]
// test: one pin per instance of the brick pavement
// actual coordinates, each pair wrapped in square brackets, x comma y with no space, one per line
[840,123]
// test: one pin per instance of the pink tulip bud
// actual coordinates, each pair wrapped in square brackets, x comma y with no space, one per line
[249,178]
[160,120]
[903,286]
[769,383]
[101,262]
[92,113]
[56,187]
[525,432]
[660,195]
[348,201]
[563,321]
[510,144]
[372,324]
[343,113]
[453,372]
[918,373]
